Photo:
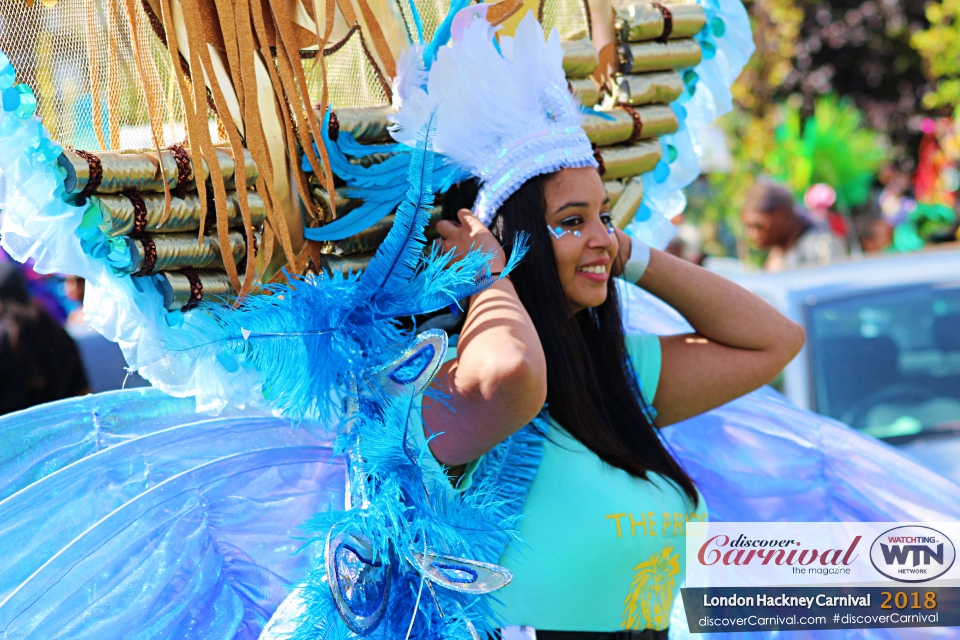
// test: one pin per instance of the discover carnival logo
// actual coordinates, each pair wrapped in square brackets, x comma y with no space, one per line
[743,551]
[912,554]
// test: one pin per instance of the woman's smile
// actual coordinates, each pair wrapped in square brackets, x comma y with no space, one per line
[597,271]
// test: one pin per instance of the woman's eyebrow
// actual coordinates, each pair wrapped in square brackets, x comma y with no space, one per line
[572,205]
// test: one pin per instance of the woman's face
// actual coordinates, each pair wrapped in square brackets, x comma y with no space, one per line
[578,209]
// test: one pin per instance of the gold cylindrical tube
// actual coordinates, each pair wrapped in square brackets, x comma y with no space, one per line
[587,91]
[644,21]
[354,262]
[658,120]
[614,189]
[613,127]
[624,162]
[177,251]
[118,212]
[344,204]
[120,172]
[650,88]
[176,288]
[618,125]
[688,19]
[627,204]
[367,124]
[228,168]
[580,59]
[141,171]
[639,22]
[367,240]
[641,57]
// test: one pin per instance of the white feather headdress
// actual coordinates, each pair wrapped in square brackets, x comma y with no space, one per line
[503,115]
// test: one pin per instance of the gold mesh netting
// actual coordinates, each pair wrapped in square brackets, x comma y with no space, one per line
[78,57]
[432,13]
[568,16]
[352,74]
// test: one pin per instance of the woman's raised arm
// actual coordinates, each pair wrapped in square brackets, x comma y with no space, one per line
[740,344]
[498,382]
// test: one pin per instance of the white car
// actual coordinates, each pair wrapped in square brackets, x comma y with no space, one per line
[883,347]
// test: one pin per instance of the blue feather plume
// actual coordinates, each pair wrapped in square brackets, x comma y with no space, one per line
[316,342]
[305,339]
[381,185]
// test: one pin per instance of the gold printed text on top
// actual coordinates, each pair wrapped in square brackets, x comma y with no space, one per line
[640,57]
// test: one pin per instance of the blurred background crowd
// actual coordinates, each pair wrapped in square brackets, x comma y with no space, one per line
[844,138]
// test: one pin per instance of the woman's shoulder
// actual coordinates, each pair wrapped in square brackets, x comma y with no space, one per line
[644,352]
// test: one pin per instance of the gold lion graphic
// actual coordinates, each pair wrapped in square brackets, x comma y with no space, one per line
[647,606]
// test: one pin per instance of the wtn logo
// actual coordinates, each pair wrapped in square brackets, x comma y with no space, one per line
[912,554]
[900,553]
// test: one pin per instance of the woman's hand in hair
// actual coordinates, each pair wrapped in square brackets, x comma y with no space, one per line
[498,382]
[470,234]
[740,344]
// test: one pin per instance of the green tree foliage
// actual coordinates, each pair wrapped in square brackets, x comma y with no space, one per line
[832,146]
[940,47]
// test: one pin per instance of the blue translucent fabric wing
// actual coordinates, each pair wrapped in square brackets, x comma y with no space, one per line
[206,553]
[40,440]
[44,517]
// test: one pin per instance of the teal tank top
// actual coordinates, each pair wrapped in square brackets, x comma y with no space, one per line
[602,550]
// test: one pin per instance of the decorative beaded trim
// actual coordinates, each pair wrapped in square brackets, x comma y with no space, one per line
[637,123]
[196,287]
[183,171]
[333,127]
[667,22]
[599,158]
[139,213]
[95,168]
[534,154]
[149,255]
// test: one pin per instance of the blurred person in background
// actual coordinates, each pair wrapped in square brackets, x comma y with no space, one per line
[687,244]
[39,361]
[875,233]
[774,223]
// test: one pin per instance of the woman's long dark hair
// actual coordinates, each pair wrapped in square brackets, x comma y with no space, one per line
[591,388]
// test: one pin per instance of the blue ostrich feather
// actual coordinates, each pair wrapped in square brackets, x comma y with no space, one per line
[367,214]
[381,185]
[442,35]
[307,337]
[318,346]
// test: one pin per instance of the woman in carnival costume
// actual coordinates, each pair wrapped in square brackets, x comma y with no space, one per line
[124,516]
[553,332]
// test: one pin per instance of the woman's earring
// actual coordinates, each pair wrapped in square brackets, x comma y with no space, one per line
[558,233]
